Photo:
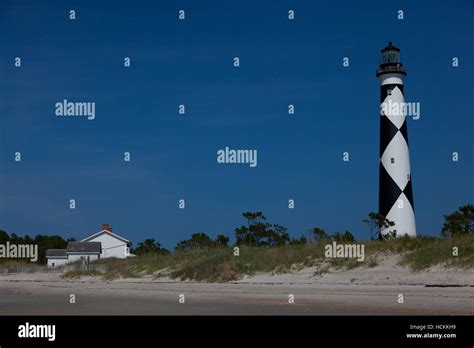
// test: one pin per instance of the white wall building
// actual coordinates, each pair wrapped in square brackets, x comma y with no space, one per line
[100,245]
[56,257]
[87,252]
[112,244]
[76,251]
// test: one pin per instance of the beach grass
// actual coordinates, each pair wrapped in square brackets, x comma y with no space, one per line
[221,264]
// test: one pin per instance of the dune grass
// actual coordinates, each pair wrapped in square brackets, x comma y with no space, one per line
[220,264]
[20,266]
[440,252]
[75,274]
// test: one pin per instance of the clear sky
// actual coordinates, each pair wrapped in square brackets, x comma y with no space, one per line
[190,62]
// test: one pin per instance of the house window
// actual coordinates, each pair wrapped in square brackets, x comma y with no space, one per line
[392,160]
[52,264]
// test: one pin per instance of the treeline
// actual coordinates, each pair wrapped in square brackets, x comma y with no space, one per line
[199,241]
[258,232]
[44,242]
[460,222]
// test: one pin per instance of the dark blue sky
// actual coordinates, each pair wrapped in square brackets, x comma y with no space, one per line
[282,62]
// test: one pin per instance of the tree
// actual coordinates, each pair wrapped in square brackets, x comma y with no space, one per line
[44,243]
[201,241]
[27,239]
[47,242]
[197,241]
[279,235]
[345,237]
[300,241]
[259,232]
[14,238]
[459,222]
[221,241]
[149,246]
[318,234]
[378,223]
[254,232]
[4,237]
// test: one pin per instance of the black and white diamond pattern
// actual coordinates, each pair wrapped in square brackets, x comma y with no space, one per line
[395,185]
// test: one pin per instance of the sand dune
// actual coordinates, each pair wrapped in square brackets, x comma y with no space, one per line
[358,291]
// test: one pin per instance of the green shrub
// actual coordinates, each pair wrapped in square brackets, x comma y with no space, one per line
[220,264]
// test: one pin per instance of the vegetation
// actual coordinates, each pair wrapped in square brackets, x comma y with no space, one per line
[318,234]
[216,264]
[44,243]
[259,232]
[20,266]
[201,241]
[264,247]
[460,222]
[378,224]
[345,237]
[74,274]
[440,252]
[149,246]
[220,264]
[299,241]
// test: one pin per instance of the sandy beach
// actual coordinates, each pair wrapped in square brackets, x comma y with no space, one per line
[436,291]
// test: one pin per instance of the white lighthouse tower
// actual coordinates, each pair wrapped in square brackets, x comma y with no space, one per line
[395,180]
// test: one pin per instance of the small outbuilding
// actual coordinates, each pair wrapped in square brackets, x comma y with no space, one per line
[56,257]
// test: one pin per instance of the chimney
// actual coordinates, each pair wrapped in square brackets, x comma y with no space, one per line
[106,227]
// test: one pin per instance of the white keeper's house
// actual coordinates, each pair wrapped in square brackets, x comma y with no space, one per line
[100,245]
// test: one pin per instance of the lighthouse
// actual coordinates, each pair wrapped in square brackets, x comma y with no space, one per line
[395,178]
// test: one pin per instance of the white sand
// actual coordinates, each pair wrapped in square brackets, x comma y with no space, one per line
[357,291]
[387,272]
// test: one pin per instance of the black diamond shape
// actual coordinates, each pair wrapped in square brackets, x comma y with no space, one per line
[408,191]
[387,132]
[388,191]
[385,88]
[404,130]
